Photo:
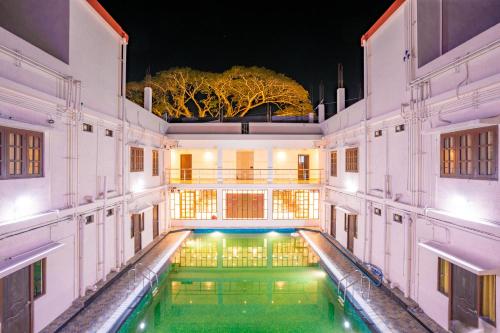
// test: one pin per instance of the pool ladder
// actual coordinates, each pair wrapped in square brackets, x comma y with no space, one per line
[148,275]
[344,285]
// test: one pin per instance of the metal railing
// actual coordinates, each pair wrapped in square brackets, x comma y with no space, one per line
[244,176]
[147,274]
[344,284]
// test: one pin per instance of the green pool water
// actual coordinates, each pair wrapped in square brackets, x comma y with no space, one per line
[244,283]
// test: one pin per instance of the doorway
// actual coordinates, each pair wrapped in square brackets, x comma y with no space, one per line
[351,227]
[186,167]
[303,167]
[464,297]
[333,221]
[137,227]
[156,221]
[16,302]
[244,165]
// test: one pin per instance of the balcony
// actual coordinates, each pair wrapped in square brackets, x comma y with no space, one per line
[245,176]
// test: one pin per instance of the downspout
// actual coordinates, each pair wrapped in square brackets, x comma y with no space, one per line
[104,240]
[407,255]
[365,119]
[123,146]
[81,226]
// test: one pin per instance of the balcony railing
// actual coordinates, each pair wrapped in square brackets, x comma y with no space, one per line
[245,176]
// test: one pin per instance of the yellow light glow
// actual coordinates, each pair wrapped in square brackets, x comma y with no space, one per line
[208,156]
[281,155]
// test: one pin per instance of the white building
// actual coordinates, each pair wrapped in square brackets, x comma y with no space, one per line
[406,179]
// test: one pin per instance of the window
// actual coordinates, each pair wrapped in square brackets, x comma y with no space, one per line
[20,153]
[194,204]
[109,132]
[295,204]
[110,212]
[445,24]
[333,163]
[38,278]
[244,204]
[444,271]
[245,128]
[470,154]
[351,160]
[87,127]
[136,159]
[488,296]
[155,163]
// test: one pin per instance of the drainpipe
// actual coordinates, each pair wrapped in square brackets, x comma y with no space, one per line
[104,229]
[81,234]
[365,118]
[407,250]
[123,146]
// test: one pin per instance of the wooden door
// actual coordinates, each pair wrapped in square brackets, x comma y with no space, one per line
[244,165]
[15,298]
[351,231]
[303,167]
[464,297]
[136,225]
[156,221]
[244,205]
[186,167]
[333,221]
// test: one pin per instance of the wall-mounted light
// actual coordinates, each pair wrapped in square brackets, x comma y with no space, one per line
[377,211]
[397,218]
[208,156]
[281,155]
[400,128]
[378,133]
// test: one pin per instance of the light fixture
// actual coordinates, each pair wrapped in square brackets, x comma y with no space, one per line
[347,324]
[142,325]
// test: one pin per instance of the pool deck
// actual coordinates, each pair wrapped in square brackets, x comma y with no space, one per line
[385,310]
[116,298]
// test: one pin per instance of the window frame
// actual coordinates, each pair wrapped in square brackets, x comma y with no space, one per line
[155,157]
[352,160]
[455,149]
[333,163]
[136,159]
[25,159]
[43,280]
[442,288]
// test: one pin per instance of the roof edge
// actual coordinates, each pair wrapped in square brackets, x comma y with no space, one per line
[388,13]
[108,18]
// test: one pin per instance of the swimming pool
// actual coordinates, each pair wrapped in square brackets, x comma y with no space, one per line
[241,282]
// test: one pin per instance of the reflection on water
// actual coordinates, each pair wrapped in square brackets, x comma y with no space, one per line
[244,283]
[240,252]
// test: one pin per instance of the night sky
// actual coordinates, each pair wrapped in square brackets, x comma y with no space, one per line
[303,41]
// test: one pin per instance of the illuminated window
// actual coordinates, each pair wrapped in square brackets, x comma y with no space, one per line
[351,160]
[245,204]
[136,159]
[488,297]
[295,204]
[470,154]
[34,155]
[292,252]
[38,278]
[155,163]
[444,271]
[197,252]
[333,163]
[244,252]
[194,204]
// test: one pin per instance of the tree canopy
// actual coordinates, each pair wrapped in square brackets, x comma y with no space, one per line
[185,92]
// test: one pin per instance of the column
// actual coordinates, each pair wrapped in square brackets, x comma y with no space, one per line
[270,165]
[219,165]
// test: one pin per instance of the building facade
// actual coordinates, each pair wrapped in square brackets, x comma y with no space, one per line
[405,179]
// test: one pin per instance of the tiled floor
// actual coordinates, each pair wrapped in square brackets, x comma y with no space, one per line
[384,306]
[107,304]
